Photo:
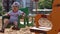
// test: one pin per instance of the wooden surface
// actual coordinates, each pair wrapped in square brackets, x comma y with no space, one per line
[54,17]
[36,20]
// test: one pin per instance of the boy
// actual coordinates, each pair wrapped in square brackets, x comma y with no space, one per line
[14,13]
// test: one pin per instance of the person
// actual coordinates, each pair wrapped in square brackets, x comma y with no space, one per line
[14,13]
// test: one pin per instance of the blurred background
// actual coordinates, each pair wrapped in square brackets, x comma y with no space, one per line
[43,7]
[0,7]
[5,5]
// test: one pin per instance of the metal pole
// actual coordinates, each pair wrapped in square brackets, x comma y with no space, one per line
[36,2]
[36,7]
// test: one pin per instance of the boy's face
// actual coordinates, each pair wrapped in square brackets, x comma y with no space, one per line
[15,8]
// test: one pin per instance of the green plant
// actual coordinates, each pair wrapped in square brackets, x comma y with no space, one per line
[0,8]
[45,4]
[2,13]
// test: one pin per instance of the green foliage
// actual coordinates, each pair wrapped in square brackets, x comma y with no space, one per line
[0,0]
[0,8]
[45,4]
[2,13]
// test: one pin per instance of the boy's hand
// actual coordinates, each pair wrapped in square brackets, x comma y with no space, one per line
[23,14]
[6,14]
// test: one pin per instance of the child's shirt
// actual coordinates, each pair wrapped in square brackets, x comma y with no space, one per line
[14,15]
